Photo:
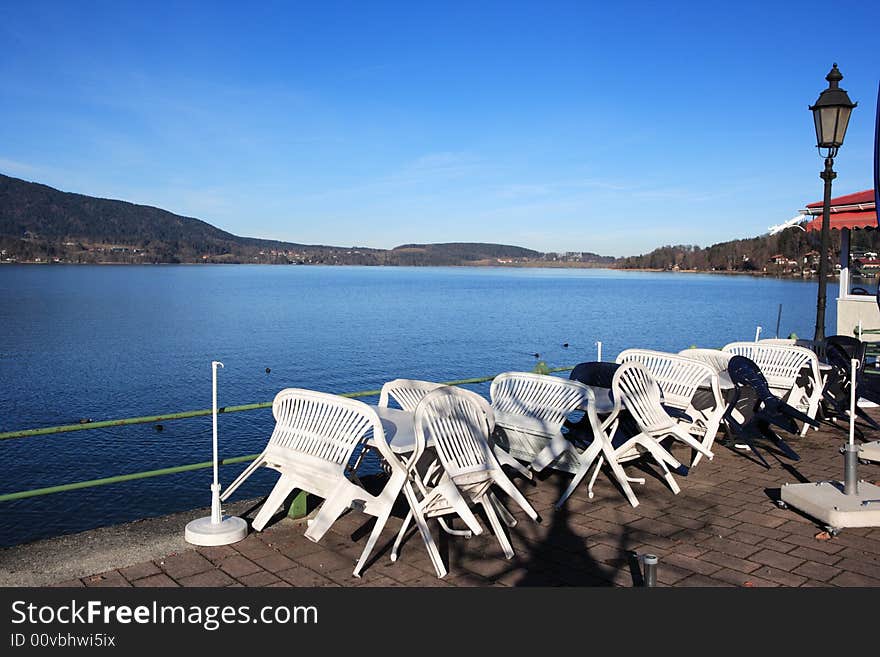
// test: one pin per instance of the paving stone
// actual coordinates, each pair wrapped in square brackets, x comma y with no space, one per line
[140,570]
[274,562]
[702,581]
[238,566]
[261,578]
[816,571]
[155,581]
[209,578]
[184,564]
[735,548]
[216,553]
[695,565]
[848,578]
[783,577]
[737,578]
[729,561]
[111,578]
[325,561]
[776,559]
[302,576]
[816,556]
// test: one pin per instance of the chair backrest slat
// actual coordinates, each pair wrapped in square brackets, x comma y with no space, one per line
[406,392]
[780,364]
[322,425]
[714,358]
[638,390]
[548,399]
[677,376]
[459,422]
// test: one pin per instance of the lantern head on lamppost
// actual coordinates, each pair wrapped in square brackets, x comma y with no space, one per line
[831,115]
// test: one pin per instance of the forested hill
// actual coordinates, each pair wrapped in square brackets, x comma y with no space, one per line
[42,224]
[790,251]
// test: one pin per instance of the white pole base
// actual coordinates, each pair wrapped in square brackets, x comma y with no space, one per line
[207,533]
[870,451]
[825,501]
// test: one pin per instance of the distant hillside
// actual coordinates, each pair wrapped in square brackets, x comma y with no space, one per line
[457,252]
[791,251]
[42,224]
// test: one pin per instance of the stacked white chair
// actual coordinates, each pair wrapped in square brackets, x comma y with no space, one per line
[530,410]
[314,439]
[679,379]
[459,423]
[714,358]
[633,386]
[406,392]
[781,365]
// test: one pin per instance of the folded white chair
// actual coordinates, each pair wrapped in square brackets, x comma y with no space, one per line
[313,441]
[530,410]
[459,423]
[781,365]
[679,379]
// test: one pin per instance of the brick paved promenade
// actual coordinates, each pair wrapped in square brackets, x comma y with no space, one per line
[723,529]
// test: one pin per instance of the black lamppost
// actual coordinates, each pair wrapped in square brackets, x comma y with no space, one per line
[831,115]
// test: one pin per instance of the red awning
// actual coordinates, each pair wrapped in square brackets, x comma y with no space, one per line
[864,219]
[849,211]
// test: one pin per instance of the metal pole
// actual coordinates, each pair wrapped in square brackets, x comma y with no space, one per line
[778,319]
[827,175]
[757,333]
[216,511]
[851,452]
[650,574]
[599,351]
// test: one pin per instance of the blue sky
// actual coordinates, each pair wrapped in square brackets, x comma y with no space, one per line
[594,126]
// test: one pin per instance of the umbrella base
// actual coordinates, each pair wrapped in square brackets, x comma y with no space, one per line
[870,451]
[204,532]
[826,502]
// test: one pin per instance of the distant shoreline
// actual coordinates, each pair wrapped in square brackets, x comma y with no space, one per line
[510,265]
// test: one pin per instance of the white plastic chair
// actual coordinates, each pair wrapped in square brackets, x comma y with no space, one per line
[781,365]
[714,358]
[314,437]
[609,446]
[406,392]
[679,379]
[530,410]
[459,423]
[635,387]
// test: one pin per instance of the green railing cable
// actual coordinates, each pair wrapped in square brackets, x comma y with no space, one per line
[91,483]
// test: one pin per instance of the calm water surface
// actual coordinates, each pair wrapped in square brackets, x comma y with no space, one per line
[110,342]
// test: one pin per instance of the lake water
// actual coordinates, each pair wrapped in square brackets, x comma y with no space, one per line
[105,342]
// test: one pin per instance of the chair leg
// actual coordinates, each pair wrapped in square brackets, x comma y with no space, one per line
[239,480]
[467,533]
[688,439]
[506,459]
[428,539]
[593,478]
[381,519]
[585,461]
[497,528]
[397,542]
[512,491]
[505,515]
[333,507]
[276,498]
